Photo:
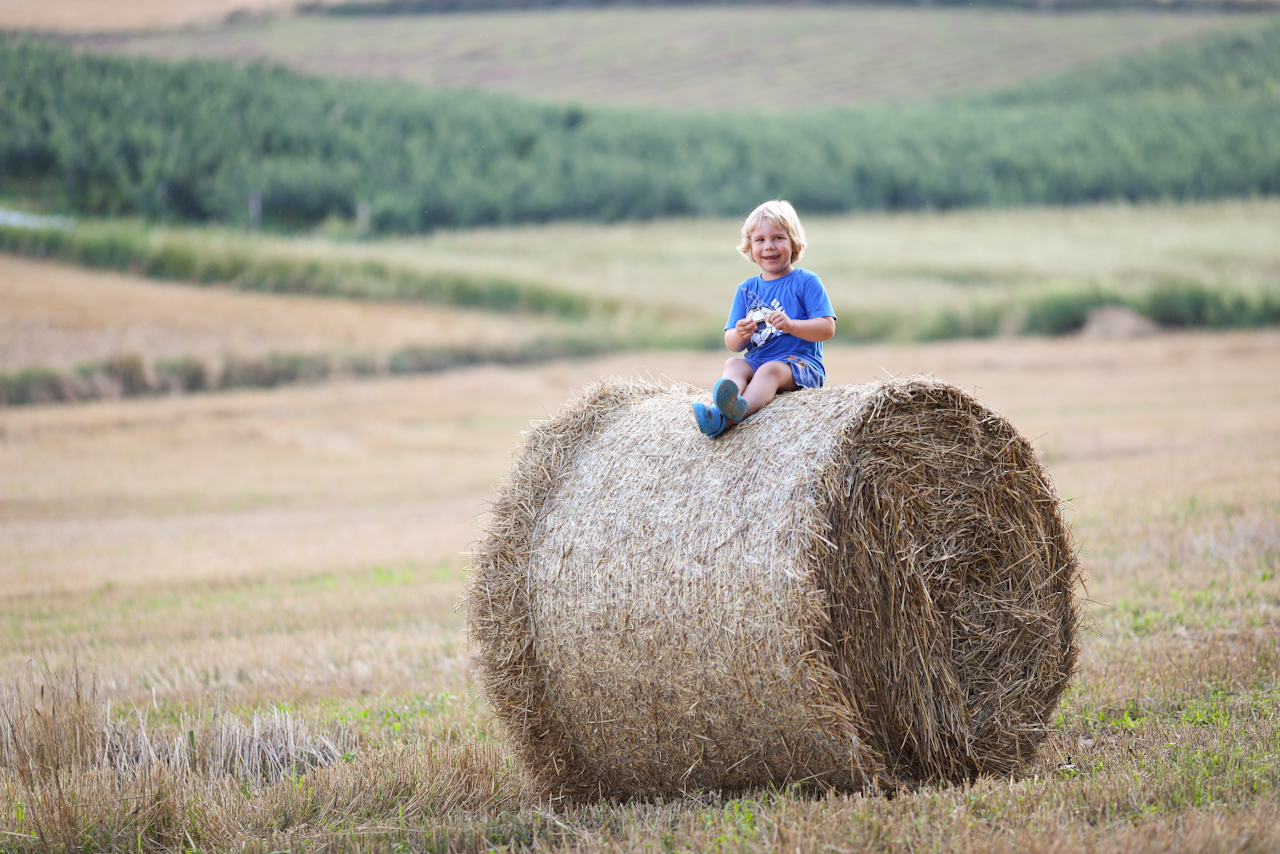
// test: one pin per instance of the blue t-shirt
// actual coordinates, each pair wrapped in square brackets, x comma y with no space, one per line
[801,295]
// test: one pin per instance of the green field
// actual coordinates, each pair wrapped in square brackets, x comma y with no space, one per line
[693,57]
[200,140]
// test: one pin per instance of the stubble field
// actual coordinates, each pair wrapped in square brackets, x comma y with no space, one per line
[297,556]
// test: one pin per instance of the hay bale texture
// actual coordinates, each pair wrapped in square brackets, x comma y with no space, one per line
[864,586]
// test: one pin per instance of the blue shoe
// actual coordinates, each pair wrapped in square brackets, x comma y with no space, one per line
[728,401]
[711,421]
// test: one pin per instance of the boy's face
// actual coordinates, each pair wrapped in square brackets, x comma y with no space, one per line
[771,249]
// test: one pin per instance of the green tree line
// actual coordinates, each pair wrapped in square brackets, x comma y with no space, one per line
[197,140]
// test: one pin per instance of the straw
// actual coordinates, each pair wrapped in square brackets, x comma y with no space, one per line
[865,587]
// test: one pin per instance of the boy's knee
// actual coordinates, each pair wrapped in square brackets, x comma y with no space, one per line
[776,370]
[779,374]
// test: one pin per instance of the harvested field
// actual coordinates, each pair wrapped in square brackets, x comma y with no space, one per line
[302,547]
[713,57]
[57,316]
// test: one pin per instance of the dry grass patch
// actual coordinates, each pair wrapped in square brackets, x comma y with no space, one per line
[57,316]
[80,778]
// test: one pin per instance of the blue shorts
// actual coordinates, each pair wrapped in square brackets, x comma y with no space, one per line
[805,373]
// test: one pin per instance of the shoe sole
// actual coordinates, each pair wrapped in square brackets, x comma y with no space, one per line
[729,400]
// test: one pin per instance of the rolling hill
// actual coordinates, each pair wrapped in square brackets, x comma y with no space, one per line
[695,57]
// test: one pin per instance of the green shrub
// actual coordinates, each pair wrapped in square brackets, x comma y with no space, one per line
[33,385]
[858,326]
[1179,303]
[130,373]
[1266,309]
[1061,311]
[171,261]
[273,370]
[185,374]
[419,360]
[974,321]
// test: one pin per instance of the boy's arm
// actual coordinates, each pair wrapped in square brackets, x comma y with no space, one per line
[814,329]
[738,329]
[736,338]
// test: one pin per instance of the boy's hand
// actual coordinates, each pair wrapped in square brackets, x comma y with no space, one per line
[746,327]
[779,321]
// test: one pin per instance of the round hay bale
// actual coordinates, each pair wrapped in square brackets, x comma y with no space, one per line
[867,586]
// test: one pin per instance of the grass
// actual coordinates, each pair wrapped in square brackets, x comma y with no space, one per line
[73,334]
[248,311]
[58,316]
[211,561]
[681,273]
[716,57]
[218,256]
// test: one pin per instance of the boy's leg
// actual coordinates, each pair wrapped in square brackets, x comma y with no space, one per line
[771,378]
[740,371]
[727,391]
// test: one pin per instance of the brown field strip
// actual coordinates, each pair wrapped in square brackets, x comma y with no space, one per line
[57,315]
[715,57]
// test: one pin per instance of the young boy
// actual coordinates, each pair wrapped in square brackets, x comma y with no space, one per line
[781,317]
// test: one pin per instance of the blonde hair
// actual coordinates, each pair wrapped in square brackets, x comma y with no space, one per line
[781,214]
